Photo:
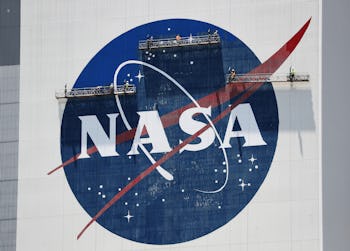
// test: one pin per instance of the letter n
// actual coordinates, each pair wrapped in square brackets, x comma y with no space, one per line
[105,145]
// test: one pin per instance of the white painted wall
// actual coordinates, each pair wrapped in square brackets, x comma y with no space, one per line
[58,38]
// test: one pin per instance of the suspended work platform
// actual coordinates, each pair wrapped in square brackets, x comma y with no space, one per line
[96,91]
[179,41]
[251,78]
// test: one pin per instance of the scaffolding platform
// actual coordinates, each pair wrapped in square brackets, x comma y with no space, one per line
[251,78]
[96,91]
[179,41]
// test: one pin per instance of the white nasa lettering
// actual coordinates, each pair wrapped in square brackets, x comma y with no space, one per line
[150,120]
[157,137]
[104,144]
[191,126]
[249,128]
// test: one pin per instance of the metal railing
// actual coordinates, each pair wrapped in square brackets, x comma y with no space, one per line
[96,91]
[125,89]
[300,77]
[179,41]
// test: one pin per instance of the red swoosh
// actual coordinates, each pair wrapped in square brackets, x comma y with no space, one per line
[268,67]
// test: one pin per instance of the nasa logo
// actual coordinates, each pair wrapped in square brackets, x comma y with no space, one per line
[183,155]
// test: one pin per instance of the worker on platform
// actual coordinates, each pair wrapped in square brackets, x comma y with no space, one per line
[291,74]
[126,85]
[209,35]
[149,41]
[178,38]
[232,76]
[190,38]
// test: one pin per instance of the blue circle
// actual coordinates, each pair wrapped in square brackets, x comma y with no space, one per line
[156,210]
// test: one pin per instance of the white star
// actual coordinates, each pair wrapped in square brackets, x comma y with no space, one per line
[128,216]
[252,159]
[243,185]
[139,76]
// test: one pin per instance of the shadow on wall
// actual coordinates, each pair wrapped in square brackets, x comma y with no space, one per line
[295,108]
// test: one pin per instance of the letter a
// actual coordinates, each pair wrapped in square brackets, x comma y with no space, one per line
[92,127]
[249,128]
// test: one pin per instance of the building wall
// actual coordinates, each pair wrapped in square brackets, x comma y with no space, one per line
[9,116]
[60,37]
[9,32]
[335,121]
[334,15]
[9,120]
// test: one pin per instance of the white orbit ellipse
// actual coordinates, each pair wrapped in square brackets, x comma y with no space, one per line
[161,170]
